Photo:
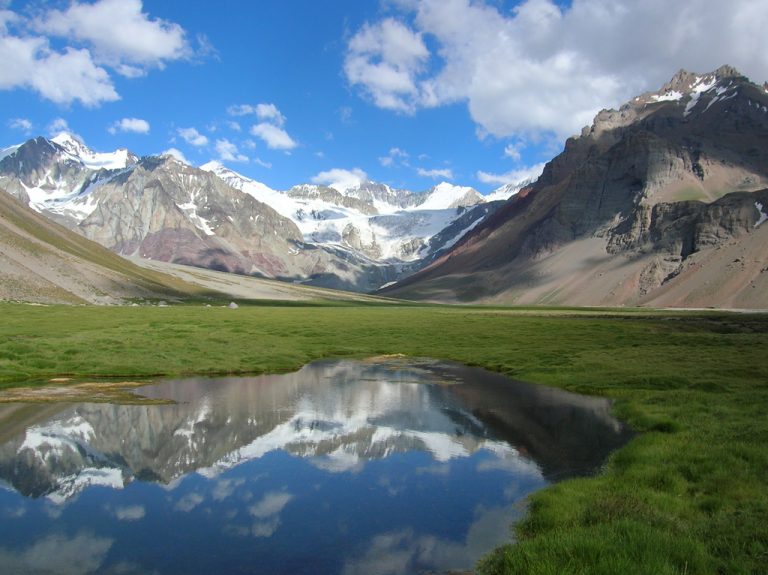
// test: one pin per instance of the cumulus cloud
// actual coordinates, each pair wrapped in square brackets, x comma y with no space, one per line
[543,68]
[113,34]
[512,176]
[385,60]
[228,152]
[119,33]
[270,113]
[273,136]
[341,179]
[62,77]
[193,137]
[134,125]
[445,173]
[21,124]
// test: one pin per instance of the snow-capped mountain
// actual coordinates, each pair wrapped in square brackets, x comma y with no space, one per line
[374,219]
[358,237]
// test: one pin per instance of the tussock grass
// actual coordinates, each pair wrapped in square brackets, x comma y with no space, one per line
[688,495]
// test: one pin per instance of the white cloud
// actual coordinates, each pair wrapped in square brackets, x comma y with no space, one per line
[544,69]
[270,113]
[21,124]
[193,137]
[445,173]
[513,151]
[512,176]
[135,125]
[176,153]
[341,179]
[234,126]
[393,156]
[62,77]
[241,110]
[120,34]
[385,59]
[59,125]
[228,152]
[107,33]
[262,163]
[266,112]
[275,137]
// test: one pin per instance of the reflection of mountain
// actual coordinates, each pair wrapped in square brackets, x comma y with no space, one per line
[340,414]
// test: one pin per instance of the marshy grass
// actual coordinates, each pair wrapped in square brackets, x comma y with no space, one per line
[688,495]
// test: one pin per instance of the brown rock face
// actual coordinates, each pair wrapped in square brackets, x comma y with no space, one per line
[671,180]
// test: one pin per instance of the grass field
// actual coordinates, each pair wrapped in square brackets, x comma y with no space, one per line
[688,495]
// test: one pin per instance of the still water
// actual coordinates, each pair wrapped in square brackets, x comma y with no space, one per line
[345,467]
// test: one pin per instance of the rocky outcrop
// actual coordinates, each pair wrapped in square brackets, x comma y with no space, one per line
[670,174]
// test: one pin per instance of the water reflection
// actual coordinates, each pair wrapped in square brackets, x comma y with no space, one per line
[341,467]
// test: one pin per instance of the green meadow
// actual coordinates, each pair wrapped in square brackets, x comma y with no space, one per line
[689,494]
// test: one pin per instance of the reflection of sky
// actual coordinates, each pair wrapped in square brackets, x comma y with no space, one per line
[407,506]
[304,474]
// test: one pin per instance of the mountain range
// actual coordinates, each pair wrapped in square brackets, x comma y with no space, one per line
[160,208]
[661,202]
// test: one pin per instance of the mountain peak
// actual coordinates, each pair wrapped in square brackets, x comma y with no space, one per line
[71,143]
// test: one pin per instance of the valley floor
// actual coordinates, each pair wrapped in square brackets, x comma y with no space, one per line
[687,495]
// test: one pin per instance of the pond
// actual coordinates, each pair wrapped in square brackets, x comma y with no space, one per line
[369,467]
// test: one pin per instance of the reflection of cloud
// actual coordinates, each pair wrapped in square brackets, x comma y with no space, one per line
[267,512]
[383,555]
[189,502]
[437,469]
[225,488]
[130,512]
[58,555]
[404,551]
[271,504]
[339,461]
[14,512]
[515,465]
[265,528]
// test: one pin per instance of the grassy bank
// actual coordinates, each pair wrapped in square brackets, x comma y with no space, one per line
[687,496]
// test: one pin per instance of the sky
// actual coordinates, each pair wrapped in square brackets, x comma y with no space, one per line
[405,92]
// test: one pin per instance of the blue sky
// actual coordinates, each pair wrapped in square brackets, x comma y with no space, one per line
[406,92]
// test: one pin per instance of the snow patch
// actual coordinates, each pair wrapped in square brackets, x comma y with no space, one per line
[93,160]
[670,96]
[4,153]
[190,209]
[763,215]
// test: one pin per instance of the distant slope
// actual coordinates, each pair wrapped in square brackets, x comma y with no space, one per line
[251,288]
[41,261]
[659,203]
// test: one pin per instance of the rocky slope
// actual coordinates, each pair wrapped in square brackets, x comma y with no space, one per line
[41,261]
[162,209]
[658,203]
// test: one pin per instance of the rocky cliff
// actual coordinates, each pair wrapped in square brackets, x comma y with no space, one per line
[652,205]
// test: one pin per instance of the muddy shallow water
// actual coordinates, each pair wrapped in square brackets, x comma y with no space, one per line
[385,466]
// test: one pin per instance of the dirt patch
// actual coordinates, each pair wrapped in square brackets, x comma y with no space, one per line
[85,392]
